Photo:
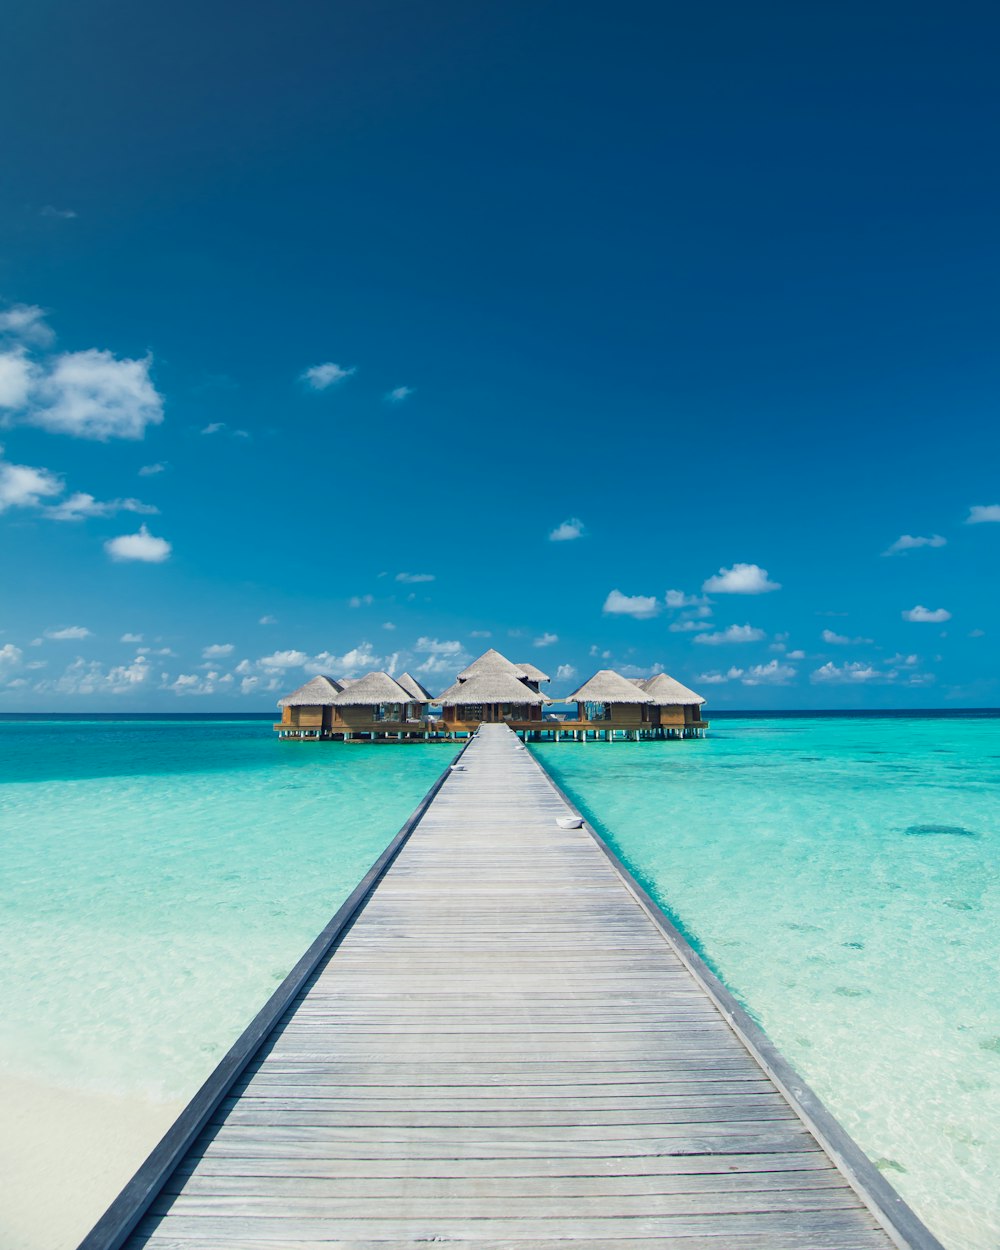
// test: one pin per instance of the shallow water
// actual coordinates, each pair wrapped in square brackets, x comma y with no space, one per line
[842,876]
[160,879]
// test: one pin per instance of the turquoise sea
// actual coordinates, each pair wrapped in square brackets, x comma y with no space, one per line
[842,875]
[161,878]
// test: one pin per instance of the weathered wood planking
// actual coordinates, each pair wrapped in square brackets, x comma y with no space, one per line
[510,1047]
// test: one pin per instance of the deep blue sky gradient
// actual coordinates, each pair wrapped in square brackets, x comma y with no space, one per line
[720,281]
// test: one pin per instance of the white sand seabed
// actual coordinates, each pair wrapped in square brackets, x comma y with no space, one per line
[64,1157]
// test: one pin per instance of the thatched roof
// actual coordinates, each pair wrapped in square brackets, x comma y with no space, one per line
[665,691]
[317,692]
[532,673]
[607,686]
[417,692]
[370,690]
[491,687]
[491,661]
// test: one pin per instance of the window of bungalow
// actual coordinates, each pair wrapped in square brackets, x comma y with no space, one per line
[386,711]
[598,711]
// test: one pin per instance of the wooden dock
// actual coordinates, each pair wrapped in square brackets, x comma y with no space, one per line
[501,1042]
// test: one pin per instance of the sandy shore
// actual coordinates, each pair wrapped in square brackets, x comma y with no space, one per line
[64,1156]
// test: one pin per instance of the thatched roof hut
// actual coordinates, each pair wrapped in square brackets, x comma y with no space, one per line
[532,673]
[491,661]
[491,687]
[317,692]
[607,686]
[666,691]
[371,690]
[417,692]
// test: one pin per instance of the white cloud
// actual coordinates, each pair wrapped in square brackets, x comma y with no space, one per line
[217,651]
[320,377]
[16,376]
[848,674]
[150,470]
[131,638]
[435,646]
[10,659]
[191,683]
[70,633]
[546,640]
[94,394]
[80,505]
[636,670]
[640,606]
[926,616]
[741,579]
[981,513]
[481,633]
[596,651]
[388,625]
[796,655]
[977,633]
[249,684]
[685,627]
[902,661]
[283,660]
[398,394]
[143,546]
[58,214]
[22,486]
[853,673]
[908,542]
[411,579]
[732,633]
[27,323]
[717,679]
[773,673]
[842,640]
[360,659]
[213,427]
[565,672]
[567,531]
[268,620]
[678,599]
[360,601]
[84,677]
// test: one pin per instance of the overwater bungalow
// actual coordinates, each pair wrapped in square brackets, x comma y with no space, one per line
[307,712]
[611,706]
[491,695]
[492,689]
[375,706]
[533,675]
[420,696]
[678,708]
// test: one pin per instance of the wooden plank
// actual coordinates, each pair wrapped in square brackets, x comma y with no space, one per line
[507,1049]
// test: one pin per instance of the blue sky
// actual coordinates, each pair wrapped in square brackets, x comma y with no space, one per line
[361,335]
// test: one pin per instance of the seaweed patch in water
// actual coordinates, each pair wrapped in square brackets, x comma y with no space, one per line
[930,831]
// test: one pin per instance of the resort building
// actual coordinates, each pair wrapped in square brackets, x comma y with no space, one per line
[610,706]
[678,708]
[307,712]
[375,706]
[489,696]
[492,689]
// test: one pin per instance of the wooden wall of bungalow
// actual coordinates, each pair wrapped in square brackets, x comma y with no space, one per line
[490,713]
[354,718]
